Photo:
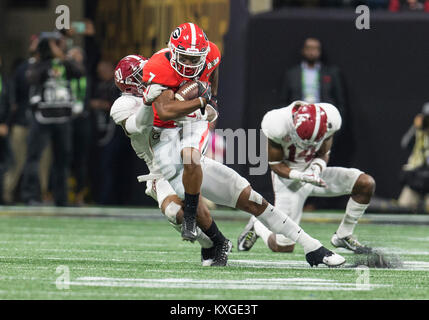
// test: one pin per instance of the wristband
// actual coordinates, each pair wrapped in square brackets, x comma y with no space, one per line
[274,162]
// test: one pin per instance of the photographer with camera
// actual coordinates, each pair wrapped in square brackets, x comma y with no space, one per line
[415,174]
[52,102]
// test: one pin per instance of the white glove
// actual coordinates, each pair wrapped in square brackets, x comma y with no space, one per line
[317,165]
[152,92]
[308,176]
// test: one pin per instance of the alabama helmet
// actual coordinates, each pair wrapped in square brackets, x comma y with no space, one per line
[310,124]
[128,74]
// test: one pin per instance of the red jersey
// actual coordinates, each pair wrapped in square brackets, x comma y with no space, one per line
[159,70]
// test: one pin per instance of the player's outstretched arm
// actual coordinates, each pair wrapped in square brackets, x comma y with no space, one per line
[139,121]
[169,109]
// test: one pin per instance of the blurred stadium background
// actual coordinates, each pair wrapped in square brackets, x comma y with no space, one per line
[384,70]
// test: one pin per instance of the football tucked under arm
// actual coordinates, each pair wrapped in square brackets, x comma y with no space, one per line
[188,91]
[192,90]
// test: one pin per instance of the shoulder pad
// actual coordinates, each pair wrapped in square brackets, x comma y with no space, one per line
[274,125]
[123,108]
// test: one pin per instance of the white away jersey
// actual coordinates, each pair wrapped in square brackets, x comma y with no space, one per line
[126,106]
[277,125]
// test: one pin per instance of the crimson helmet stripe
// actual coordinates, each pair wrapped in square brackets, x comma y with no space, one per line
[193,35]
[316,125]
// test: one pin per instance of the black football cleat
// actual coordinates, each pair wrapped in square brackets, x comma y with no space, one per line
[207,256]
[222,251]
[189,228]
[325,256]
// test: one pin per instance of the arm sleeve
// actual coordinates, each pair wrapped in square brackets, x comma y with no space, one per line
[140,120]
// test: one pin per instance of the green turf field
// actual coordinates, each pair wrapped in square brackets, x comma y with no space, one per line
[80,257]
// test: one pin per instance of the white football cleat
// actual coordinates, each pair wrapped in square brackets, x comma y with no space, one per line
[350,243]
[248,237]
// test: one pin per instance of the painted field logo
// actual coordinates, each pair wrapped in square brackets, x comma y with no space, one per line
[63,281]
[362,281]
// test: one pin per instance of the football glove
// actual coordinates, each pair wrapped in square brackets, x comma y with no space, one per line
[308,176]
[204,91]
[152,92]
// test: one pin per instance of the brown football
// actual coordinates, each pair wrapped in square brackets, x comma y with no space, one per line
[187,91]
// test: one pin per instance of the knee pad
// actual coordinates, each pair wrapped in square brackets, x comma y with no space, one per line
[171,212]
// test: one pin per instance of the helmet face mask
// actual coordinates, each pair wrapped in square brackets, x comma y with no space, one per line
[310,126]
[189,48]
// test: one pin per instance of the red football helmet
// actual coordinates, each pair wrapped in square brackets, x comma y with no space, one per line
[189,47]
[310,122]
[128,74]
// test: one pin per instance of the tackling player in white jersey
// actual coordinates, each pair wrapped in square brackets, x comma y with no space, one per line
[136,119]
[300,137]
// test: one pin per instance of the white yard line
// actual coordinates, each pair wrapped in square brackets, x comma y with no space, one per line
[301,284]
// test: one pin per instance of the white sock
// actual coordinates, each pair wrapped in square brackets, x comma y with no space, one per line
[261,230]
[202,238]
[279,222]
[354,211]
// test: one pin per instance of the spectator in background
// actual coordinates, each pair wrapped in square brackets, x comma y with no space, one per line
[52,102]
[81,127]
[81,121]
[313,81]
[4,128]
[20,115]
[415,174]
[113,154]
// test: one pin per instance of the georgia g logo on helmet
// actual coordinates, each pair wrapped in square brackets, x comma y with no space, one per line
[176,33]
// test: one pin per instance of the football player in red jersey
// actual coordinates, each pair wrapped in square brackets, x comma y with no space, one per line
[189,56]
[136,119]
